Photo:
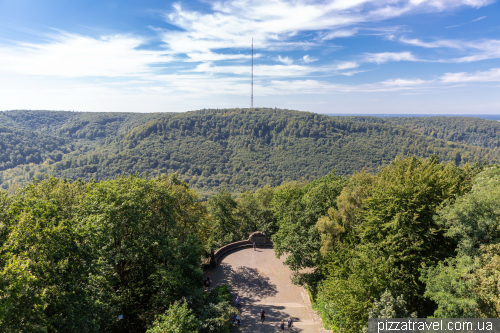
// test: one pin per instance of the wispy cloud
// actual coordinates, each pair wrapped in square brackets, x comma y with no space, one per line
[435,44]
[493,75]
[384,57]
[71,55]
[459,25]
[338,34]
[308,59]
[478,50]
[285,60]
[479,18]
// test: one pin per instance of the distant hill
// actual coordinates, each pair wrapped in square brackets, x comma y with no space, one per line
[238,149]
[472,131]
[76,125]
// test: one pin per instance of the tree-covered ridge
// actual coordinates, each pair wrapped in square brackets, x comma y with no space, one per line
[236,149]
[241,149]
[19,147]
[76,125]
[472,131]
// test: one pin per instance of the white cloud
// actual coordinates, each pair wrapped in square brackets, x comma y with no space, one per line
[338,34]
[459,25]
[481,49]
[345,65]
[285,60]
[454,44]
[307,59]
[71,55]
[404,83]
[384,57]
[493,75]
[479,18]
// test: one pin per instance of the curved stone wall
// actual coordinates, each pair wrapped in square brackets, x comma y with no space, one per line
[258,237]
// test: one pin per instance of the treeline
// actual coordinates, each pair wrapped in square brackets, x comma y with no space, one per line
[76,125]
[246,149]
[473,131]
[20,147]
[75,256]
[419,238]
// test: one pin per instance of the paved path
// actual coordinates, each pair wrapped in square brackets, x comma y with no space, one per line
[263,282]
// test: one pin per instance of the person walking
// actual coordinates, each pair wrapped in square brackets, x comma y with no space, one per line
[290,323]
[254,246]
[282,326]
[262,315]
[238,304]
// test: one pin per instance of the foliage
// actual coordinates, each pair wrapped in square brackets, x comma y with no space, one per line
[354,278]
[177,319]
[346,219]
[467,285]
[297,209]
[254,210]
[472,131]
[77,255]
[390,307]
[381,233]
[225,227]
[451,285]
[22,147]
[214,310]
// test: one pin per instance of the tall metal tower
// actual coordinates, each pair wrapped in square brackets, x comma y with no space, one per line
[251,96]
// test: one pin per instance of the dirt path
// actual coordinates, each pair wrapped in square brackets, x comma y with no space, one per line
[263,282]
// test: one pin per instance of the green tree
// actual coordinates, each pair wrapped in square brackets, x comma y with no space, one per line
[147,256]
[344,221]
[225,228]
[465,286]
[390,307]
[177,319]
[297,209]
[44,282]
[255,213]
[398,218]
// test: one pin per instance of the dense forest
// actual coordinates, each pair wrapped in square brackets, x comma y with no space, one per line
[234,149]
[417,238]
[472,131]
[75,256]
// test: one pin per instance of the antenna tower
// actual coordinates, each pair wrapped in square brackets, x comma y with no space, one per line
[251,96]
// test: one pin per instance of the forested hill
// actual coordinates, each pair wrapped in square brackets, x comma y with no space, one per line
[76,125]
[238,149]
[473,131]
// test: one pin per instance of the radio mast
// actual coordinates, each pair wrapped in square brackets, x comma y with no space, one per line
[251,96]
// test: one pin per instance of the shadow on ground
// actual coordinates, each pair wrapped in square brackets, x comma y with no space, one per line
[251,321]
[250,282]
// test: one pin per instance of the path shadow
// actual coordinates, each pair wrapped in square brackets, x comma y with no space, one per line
[274,315]
[250,282]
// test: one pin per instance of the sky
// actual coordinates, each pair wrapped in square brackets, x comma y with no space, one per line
[328,56]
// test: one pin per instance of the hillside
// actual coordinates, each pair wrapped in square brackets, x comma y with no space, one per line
[472,131]
[237,149]
[76,125]
[18,147]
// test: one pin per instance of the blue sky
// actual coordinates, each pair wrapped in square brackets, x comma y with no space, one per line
[342,56]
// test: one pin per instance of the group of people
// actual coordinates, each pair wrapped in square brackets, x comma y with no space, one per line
[282,324]
[237,319]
